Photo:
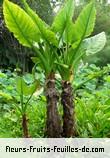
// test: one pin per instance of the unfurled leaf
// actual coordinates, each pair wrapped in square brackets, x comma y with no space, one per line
[85,22]
[43,28]
[20,24]
[83,27]
[63,19]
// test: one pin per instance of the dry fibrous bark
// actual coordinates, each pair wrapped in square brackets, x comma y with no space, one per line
[25,126]
[68,110]
[53,123]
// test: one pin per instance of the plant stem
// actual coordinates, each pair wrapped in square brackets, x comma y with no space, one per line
[53,123]
[25,126]
[68,110]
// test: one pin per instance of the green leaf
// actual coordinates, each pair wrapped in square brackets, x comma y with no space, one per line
[94,44]
[67,36]
[64,18]
[27,89]
[90,46]
[20,24]
[43,28]
[84,25]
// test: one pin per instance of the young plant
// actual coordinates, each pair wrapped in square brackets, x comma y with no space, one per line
[25,92]
[17,93]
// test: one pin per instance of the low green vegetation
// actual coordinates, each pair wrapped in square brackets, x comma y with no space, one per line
[92,100]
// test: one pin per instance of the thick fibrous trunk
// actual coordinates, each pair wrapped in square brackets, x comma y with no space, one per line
[68,110]
[25,126]
[53,124]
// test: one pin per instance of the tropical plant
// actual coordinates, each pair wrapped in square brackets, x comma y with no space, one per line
[31,36]
[73,48]
[59,47]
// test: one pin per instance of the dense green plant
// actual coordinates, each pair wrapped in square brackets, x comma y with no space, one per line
[93,117]
[63,36]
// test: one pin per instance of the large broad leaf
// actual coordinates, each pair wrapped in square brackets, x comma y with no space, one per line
[85,22]
[94,44]
[64,18]
[43,28]
[18,22]
[24,88]
[83,27]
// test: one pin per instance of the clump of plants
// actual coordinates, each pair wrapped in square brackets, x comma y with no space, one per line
[58,48]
